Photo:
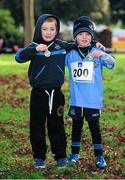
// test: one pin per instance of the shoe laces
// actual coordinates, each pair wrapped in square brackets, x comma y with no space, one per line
[100,159]
[73,157]
[39,161]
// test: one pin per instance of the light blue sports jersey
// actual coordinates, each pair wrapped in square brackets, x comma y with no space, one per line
[86,86]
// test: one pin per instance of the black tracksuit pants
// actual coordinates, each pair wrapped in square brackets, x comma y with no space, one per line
[92,116]
[40,118]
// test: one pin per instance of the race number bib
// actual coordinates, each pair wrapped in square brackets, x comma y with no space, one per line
[82,71]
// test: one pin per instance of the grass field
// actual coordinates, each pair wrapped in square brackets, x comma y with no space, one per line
[15,150]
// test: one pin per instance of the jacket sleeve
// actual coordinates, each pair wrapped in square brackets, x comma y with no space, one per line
[107,60]
[26,54]
[69,45]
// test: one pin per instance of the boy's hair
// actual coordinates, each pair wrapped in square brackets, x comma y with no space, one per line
[52,19]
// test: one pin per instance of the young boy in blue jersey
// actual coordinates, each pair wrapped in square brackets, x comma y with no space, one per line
[46,76]
[85,64]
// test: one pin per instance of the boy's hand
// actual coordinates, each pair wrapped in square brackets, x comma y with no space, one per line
[41,47]
[96,54]
[99,45]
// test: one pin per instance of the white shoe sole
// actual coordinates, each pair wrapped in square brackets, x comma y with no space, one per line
[40,167]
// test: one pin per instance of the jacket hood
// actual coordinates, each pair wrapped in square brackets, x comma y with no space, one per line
[37,32]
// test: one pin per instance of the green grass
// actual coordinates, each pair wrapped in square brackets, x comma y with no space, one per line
[9,66]
[15,150]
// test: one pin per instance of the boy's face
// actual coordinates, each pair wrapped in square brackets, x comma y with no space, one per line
[48,30]
[83,39]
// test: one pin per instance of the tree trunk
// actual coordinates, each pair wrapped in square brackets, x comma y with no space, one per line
[28,20]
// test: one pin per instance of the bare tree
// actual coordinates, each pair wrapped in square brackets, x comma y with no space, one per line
[28,20]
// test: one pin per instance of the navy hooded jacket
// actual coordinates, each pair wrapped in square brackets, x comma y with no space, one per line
[45,72]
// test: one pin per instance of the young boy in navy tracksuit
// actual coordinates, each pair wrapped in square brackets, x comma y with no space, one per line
[46,76]
[85,64]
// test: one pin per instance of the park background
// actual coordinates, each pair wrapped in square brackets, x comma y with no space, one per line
[17,19]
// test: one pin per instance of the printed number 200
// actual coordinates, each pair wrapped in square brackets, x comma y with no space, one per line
[80,72]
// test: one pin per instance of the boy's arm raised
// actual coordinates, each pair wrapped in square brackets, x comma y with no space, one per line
[26,54]
[107,59]
[73,44]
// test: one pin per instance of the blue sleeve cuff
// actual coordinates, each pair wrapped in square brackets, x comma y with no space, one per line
[17,57]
